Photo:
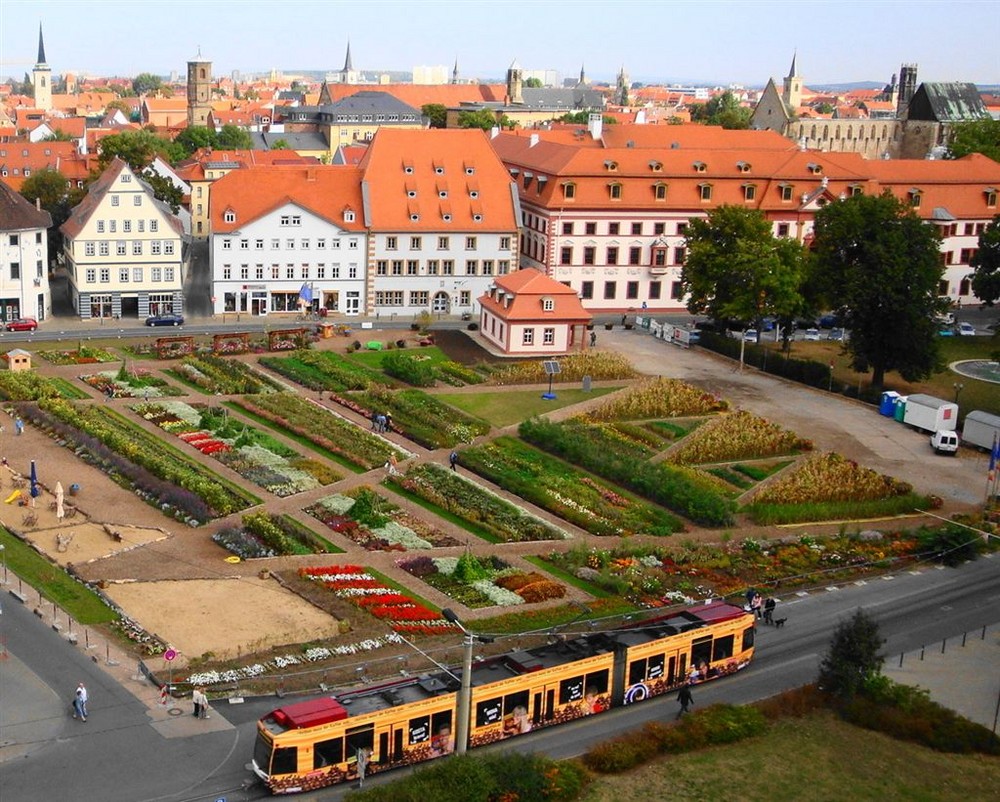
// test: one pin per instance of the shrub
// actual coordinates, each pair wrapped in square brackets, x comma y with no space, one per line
[853,657]
[620,754]
[951,545]
[410,369]
[796,702]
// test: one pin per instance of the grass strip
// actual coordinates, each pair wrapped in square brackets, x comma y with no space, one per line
[771,514]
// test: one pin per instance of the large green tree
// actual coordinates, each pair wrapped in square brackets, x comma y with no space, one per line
[975,136]
[879,266]
[724,110]
[146,83]
[986,264]
[854,656]
[138,148]
[196,136]
[437,113]
[483,118]
[50,188]
[232,137]
[737,269]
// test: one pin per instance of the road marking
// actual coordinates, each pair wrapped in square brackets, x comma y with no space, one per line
[915,573]
[831,588]
[887,577]
[801,593]
[939,567]
[946,607]
[860,582]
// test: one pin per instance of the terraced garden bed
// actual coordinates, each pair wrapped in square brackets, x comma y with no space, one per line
[216,374]
[322,370]
[30,386]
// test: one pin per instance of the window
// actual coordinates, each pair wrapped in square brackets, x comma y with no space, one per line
[227,272]
[659,229]
[433,266]
[121,248]
[419,298]
[91,275]
[389,298]
[320,244]
[566,255]
[464,298]
[783,229]
[258,244]
[505,241]
[154,247]
[448,267]
[615,191]
[569,191]
[352,271]
[636,229]
[157,273]
[654,290]
[915,197]
[682,229]
[676,290]
[591,228]
[227,244]
[105,275]
[127,226]
[749,192]
[275,244]
[470,243]
[528,337]
[659,256]
[610,290]
[289,271]
[412,267]
[443,243]
[991,197]
[115,200]
[680,254]
[589,254]
[15,270]
[287,220]
[142,226]
[100,227]
[705,192]
[137,275]
[290,244]
[137,247]
[154,226]
[104,248]
[90,249]
[967,255]
[587,290]
[567,229]
[397,267]
[659,192]
[548,336]
[613,229]
[635,255]
[390,243]
[612,255]
[123,275]
[631,290]
[348,217]
[415,243]
[320,271]
[168,248]
[229,216]
[548,305]
[126,178]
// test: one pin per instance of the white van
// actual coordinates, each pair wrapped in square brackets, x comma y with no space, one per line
[944,442]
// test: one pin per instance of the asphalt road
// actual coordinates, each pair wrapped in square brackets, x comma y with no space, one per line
[120,754]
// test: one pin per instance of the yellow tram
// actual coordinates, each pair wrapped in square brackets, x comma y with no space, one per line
[311,744]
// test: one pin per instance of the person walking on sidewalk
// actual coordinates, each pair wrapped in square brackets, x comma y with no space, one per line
[453,460]
[685,699]
[80,702]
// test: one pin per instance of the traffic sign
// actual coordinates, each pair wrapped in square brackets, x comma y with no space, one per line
[169,654]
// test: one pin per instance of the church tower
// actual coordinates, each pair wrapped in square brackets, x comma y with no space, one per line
[583,77]
[454,72]
[622,88]
[907,88]
[41,77]
[792,94]
[199,90]
[349,75]
[514,83]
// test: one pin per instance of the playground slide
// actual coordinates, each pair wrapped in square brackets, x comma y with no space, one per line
[12,497]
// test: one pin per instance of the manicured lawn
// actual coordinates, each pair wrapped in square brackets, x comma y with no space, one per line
[373,359]
[505,408]
[56,585]
[813,758]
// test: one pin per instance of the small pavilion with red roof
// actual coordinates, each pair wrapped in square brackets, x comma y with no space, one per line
[526,313]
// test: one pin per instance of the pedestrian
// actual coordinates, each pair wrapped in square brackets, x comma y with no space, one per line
[755,604]
[363,755]
[388,421]
[80,702]
[769,606]
[390,466]
[453,460]
[202,703]
[593,339]
[145,394]
[380,423]
[623,319]
[196,701]
[685,699]
[374,421]
[18,425]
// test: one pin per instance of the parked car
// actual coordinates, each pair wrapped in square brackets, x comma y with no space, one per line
[767,324]
[946,318]
[945,331]
[837,334]
[967,330]
[811,334]
[944,442]
[22,324]
[750,336]
[828,321]
[166,319]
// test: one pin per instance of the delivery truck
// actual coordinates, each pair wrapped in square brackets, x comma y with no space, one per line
[980,428]
[930,414]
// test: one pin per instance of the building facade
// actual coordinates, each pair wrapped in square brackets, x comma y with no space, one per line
[24,282]
[199,90]
[41,77]
[124,250]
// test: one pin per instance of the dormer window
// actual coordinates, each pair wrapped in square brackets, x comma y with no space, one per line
[656,167]
[438,169]
[229,216]
[699,167]
[446,217]
[569,190]
[442,193]
[749,192]
[991,196]
[477,218]
[705,192]
[474,193]
[854,190]
[814,168]
[411,193]
[786,191]
[743,167]
[615,191]
[916,195]
[659,191]
[470,170]
[348,216]
[548,304]
[414,218]
[407,168]
[611,166]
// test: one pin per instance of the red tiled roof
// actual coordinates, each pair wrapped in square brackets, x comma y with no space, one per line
[527,287]
[418,95]
[16,157]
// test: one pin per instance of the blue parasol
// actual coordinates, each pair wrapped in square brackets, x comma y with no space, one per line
[34,481]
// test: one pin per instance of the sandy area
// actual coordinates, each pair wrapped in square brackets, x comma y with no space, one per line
[85,542]
[228,617]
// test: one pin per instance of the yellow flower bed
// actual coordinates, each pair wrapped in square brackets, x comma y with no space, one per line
[741,435]
[831,477]
[657,398]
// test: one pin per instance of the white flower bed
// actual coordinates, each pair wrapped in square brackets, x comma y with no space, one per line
[337,504]
[497,595]
[398,534]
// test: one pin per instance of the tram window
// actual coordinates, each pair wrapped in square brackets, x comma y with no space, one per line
[747,638]
[360,737]
[722,648]
[598,681]
[420,729]
[512,700]
[326,753]
[489,712]
[570,690]
[701,650]
[441,720]
[637,672]
[285,760]
[655,669]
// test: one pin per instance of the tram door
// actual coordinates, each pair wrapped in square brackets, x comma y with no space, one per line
[390,744]
[543,704]
[676,668]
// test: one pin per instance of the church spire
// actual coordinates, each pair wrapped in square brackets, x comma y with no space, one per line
[794,70]
[583,76]
[348,67]
[454,72]
[41,45]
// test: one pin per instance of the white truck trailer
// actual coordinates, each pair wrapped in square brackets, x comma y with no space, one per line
[980,428]
[930,414]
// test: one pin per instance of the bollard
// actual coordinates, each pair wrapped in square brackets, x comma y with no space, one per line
[900,659]
[921,652]
[963,639]
[984,632]
[942,645]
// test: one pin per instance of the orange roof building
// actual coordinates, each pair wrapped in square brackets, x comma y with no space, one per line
[529,314]
[18,160]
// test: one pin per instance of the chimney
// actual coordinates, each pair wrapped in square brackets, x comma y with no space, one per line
[38,204]
[311,174]
[595,124]
[494,132]
[532,140]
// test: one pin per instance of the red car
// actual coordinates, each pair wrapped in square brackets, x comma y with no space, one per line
[22,324]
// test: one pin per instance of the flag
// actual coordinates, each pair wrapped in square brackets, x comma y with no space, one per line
[305,294]
[994,457]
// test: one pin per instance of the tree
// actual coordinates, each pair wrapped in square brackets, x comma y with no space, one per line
[146,83]
[119,105]
[879,266]
[53,192]
[724,110]
[823,108]
[483,118]
[533,83]
[583,117]
[437,113]
[736,269]
[58,136]
[164,189]
[975,136]
[986,264]
[853,657]
[138,148]
[280,144]
[232,137]
[196,136]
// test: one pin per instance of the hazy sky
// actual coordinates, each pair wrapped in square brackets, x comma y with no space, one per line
[712,41]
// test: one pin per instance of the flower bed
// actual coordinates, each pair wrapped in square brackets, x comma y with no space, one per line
[740,435]
[457,495]
[367,593]
[137,459]
[417,415]
[559,488]
[84,355]
[135,383]
[264,535]
[26,385]
[657,398]
[372,521]
[691,493]
[216,374]
[485,582]
[321,370]
[596,364]
[828,486]
[253,454]
[319,425]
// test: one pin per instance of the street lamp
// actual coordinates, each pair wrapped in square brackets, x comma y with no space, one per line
[3,553]
[465,691]
[958,388]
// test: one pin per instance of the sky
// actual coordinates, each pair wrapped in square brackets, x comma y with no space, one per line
[711,42]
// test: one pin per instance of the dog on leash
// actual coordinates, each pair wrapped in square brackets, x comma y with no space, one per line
[779,622]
